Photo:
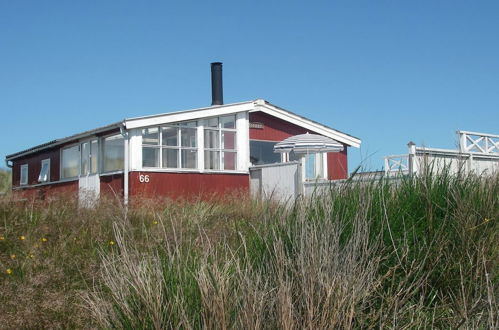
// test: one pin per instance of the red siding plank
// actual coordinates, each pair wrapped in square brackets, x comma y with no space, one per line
[187,185]
[274,129]
[112,185]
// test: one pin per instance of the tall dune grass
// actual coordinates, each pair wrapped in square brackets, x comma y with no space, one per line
[421,252]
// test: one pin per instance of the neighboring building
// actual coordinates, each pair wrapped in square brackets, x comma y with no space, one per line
[180,154]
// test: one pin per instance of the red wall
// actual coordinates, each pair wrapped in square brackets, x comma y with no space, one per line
[337,165]
[187,185]
[34,162]
[66,189]
[275,129]
[112,185]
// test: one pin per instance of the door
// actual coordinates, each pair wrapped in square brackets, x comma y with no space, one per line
[89,183]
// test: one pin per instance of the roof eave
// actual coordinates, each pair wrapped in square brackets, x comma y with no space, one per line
[264,106]
[57,142]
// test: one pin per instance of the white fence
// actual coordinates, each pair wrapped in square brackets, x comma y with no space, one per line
[478,153]
[279,181]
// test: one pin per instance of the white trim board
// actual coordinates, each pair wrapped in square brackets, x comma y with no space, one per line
[272,110]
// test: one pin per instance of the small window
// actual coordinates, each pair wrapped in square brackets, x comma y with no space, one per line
[24,174]
[44,171]
[313,166]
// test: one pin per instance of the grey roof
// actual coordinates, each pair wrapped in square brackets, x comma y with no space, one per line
[118,124]
[56,142]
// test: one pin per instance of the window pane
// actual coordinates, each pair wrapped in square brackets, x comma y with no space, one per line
[229,160]
[169,136]
[170,158]
[310,166]
[189,158]
[293,156]
[189,124]
[211,139]
[212,160]
[188,137]
[212,122]
[24,174]
[94,157]
[228,140]
[70,162]
[262,152]
[150,136]
[228,122]
[44,171]
[150,157]
[85,158]
[113,152]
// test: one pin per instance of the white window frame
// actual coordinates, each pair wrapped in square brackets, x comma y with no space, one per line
[21,181]
[179,148]
[44,161]
[92,171]
[221,150]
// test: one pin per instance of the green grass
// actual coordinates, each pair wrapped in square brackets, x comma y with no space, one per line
[414,253]
[5,181]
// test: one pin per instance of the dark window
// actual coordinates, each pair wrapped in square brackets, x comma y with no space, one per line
[262,152]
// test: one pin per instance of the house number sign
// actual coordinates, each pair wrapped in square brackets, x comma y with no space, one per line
[143,178]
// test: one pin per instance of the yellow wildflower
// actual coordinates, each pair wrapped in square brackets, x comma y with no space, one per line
[8,271]
[22,238]
[154,222]
[12,256]
[43,239]
[111,242]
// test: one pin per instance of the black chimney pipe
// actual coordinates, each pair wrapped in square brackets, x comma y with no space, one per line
[217,93]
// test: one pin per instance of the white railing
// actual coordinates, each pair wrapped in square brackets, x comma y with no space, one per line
[478,142]
[397,164]
[477,153]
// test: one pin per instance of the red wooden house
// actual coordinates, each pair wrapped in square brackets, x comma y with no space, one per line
[178,154]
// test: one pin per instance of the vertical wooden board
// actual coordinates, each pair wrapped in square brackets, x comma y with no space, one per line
[337,165]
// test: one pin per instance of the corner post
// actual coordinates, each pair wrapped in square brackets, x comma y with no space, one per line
[411,162]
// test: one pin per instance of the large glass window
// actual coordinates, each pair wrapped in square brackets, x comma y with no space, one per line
[220,143]
[70,162]
[44,171]
[262,152]
[172,146]
[113,153]
[24,174]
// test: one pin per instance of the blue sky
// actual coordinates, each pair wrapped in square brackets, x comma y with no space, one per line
[385,71]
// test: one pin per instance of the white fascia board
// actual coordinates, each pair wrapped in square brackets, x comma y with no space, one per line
[188,115]
[299,121]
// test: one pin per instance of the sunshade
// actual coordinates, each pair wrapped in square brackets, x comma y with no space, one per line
[308,143]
